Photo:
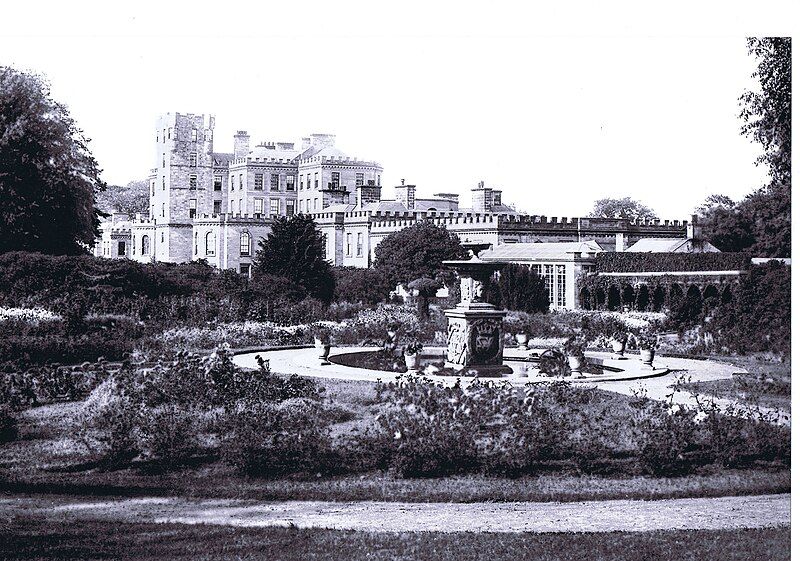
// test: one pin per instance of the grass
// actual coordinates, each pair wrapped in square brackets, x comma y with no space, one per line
[34,539]
[761,382]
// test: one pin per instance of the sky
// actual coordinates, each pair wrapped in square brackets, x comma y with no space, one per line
[557,105]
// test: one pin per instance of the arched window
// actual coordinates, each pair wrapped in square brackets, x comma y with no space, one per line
[211,243]
[145,245]
[244,243]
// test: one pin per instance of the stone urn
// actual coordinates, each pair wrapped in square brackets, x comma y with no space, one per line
[412,362]
[522,341]
[647,356]
[618,347]
[324,349]
[575,363]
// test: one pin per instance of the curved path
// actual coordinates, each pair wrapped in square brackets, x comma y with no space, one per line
[598,516]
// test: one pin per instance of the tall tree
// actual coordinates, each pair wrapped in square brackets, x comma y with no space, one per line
[295,249]
[48,176]
[761,223]
[417,251]
[128,199]
[621,208]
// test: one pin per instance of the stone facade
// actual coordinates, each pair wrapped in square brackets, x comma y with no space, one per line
[195,190]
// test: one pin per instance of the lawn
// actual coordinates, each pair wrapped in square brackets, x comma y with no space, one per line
[764,382]
[34,538]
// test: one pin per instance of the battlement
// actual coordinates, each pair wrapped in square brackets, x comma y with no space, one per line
[594,223]
[233,216]
[272,160]
[340,160]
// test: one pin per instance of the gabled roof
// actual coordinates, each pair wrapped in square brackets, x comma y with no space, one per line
[221,159]
[509,252]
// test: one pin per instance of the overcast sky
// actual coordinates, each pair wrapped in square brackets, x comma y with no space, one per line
[556,106]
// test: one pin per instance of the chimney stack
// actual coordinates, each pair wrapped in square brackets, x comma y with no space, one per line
[241,144]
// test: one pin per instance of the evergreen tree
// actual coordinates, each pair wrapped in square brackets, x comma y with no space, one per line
[295,249]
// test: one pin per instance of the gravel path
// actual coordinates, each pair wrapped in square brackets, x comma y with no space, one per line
[596,516]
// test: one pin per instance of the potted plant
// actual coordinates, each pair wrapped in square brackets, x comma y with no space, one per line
[514,325]
[322,341]
[619,340]
[574,348]
[411,354]
[647,343]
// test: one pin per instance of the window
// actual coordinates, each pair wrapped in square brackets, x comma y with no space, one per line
[230,208]
[162,237]
[210,135]
[359,244]
[217,207]
[301,205]
[195,243]
[240,206]
[315,203]
[153,188]
[193,159]
[120,248]
[211,243]
[308,205]
[164,135]
[163,160]
[290,208]
[240,182]
[258,206]
[359,179]
[244,243]
[163,184]
[370,182]
[349,249]
[561,286]
[194,135]
[316,180]
[244,269]
[192,208]
[145,245]
[258,182]
[217,183]
[335,179]
[290,182]
[163,210]
[169,132]
[193,181]
[379,180]
[274,207]
[231,183]
[274,182]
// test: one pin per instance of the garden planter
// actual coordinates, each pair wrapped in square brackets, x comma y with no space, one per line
[522,341]
[324,350]
[412,362]
[575,365]
[619,348]
[647,356]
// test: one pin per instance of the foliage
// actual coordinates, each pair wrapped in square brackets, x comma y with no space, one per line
[20,387]
[295,249]
[646,340]
[426,289]
[519,288]
[355,284]
[8,424]
[621,262]
[761,223]
[625,207]
[417,251]
[758,317]
[574,346]
[128,199]
[412,348]
[48,176]
[271,439]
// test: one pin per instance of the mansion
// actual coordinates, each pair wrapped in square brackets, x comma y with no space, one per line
[217,206]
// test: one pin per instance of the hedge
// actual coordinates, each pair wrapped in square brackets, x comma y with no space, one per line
[621,262]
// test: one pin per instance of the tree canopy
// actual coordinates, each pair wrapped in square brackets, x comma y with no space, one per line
[621,208]
[48,176]
[417,251]
[295,249]
[128,199]
[761,223]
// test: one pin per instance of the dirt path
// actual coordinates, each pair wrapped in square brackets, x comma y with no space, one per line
[597,516]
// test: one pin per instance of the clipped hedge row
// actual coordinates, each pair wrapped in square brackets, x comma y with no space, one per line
[620,262]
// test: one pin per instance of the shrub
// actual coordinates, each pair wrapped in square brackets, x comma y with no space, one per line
[269,439]
[519,288]
[8,424]
[354,284]
[622,262]
[169,434]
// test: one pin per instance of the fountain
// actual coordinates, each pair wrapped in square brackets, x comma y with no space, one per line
[474,326]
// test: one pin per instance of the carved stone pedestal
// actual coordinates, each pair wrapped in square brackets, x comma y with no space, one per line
[475,327]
